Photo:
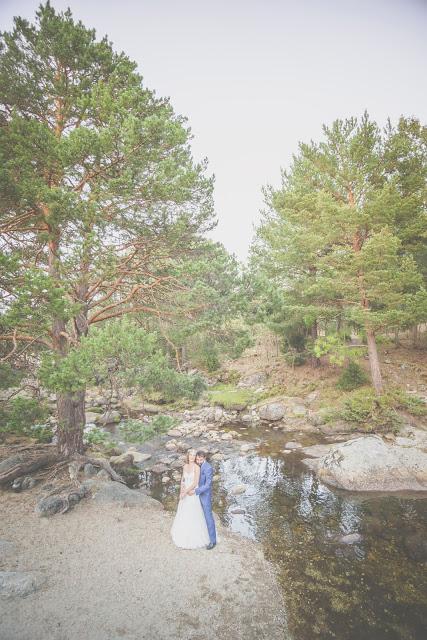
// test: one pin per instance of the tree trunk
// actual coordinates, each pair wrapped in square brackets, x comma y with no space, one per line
[415,335]
[374,362]
[315,362]
[71,422]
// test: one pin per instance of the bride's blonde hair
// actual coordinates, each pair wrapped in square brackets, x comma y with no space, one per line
[190,451]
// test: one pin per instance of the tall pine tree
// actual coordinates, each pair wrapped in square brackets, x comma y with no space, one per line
[99,191]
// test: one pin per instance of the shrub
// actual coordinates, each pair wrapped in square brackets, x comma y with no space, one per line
[20,414]
[133,430]
[209,356]
[295,358]
[373,413]
[352,377]
[41,432]
[96,436]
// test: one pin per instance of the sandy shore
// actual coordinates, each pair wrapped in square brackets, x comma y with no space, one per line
[113,572]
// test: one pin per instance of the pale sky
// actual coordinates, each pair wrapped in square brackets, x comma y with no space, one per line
[254,77]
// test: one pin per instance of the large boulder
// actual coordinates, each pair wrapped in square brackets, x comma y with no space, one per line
[118,493]
[370,464]
[272,411]
[92,417]
[110,416]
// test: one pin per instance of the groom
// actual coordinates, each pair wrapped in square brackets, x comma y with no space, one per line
[204,490]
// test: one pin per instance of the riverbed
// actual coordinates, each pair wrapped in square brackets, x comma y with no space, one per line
[351,566]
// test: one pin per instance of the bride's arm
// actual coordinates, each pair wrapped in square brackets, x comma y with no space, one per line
[196,480]
[182,491]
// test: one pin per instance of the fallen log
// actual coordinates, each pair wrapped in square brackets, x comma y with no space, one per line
[27,460]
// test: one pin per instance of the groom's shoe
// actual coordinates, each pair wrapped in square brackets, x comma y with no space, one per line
[211,545]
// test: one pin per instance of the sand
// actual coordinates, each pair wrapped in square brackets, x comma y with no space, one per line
[112,571]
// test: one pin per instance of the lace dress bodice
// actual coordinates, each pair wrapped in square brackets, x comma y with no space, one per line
[188,478]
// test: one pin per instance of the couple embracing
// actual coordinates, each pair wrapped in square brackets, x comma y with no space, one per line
[194,526]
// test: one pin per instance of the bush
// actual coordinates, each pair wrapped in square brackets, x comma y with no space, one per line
[352,377]
[138,431]
[41,432]
[20,414]
[96,436]
[209,356]
[376,414]
[295,358]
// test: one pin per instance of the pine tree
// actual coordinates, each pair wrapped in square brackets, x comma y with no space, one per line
[335,218]
[99,191]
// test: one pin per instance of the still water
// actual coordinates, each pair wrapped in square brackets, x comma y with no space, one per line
[350,566]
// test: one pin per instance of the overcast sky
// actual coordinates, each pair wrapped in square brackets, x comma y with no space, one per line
[254,77]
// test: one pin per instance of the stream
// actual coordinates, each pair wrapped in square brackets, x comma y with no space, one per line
[350,566]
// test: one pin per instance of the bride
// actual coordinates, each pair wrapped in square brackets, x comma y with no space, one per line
[189,529]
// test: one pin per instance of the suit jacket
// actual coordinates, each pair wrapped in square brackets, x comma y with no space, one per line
[205,481]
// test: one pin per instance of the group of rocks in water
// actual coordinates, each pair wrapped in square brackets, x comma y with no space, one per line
[345,459]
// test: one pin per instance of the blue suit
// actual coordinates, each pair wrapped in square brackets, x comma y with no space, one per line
[204,490]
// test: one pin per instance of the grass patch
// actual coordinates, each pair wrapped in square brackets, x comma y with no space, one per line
[228,396]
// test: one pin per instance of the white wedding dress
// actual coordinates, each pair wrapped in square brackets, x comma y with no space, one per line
[189,529]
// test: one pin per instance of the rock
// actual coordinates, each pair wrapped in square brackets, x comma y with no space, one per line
[218,414]
[138,456]
[237,510]
[247,418]
[238,489]
[226,436]
[89,470]
[317,450]
[56,503]
[19,583]
[166,480]
[272,411]
[6,549]
[165,460]
[312,397]
[217,456]
[177,464]
[299,411]
[253,380]
[116,492]
[123,460]
[23,482]
[170,446]
[370,464]
[338,426]
[237,406]
[174,433]
[110,416]
[103,475]
[293,445]
[350,538]
[245,448]
[159,468]
[92,417]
